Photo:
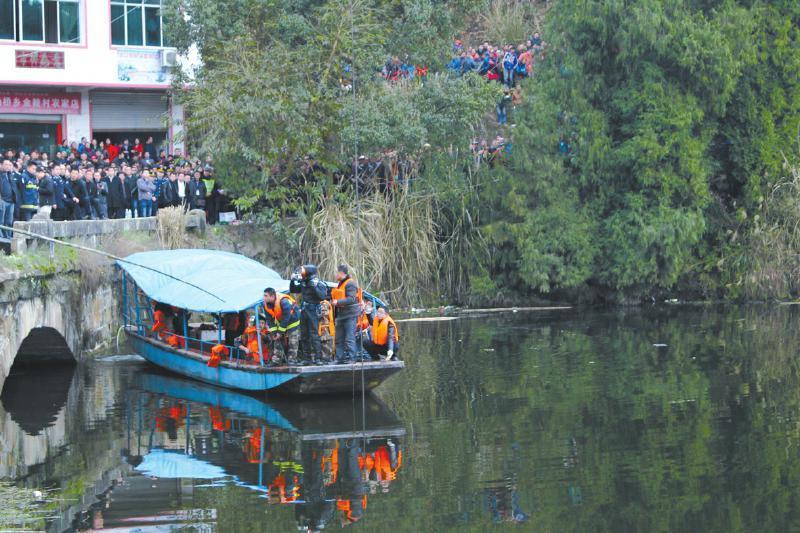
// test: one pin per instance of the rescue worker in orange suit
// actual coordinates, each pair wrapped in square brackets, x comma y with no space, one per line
[161,313]
[385,339]
[346,301]
[284,326]
[249,343]
[313,291]
[364,323]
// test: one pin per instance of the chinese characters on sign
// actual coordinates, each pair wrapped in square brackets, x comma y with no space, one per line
[47,103]
[38,59]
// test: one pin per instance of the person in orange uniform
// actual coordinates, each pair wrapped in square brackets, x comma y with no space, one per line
[249,344]
[285,326]
[346,299]
[385,341]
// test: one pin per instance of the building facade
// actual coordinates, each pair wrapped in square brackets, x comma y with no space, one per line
[99,69]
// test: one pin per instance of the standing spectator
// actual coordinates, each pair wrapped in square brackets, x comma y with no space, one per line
[212,196]
[100,200]
[46,193]
[62,194]
[113,150]
[132,189]
[509,64]
[502,107]
[138,148]
[28,192]
[168,196]
[183,197]
[125,149]
[8,197]
[80,208]
[197,192]
[117,196]
[146,187]
[91,188]
[150,147]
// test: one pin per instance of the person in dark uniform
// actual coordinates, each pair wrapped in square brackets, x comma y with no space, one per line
[313,291]
[346,301]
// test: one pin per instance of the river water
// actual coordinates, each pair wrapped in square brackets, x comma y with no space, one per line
[682,418]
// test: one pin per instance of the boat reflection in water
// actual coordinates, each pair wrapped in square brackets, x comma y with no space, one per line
[317,456]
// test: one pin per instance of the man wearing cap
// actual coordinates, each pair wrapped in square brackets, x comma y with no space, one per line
[346,301]
[28,192]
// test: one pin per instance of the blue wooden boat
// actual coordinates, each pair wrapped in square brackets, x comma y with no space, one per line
[214,283]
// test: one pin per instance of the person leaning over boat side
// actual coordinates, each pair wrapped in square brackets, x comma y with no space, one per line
[385,337]
[313,291]
[234,325]
[285,326]
[346,301]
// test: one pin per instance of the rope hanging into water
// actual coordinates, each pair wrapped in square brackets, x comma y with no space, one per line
[105,254]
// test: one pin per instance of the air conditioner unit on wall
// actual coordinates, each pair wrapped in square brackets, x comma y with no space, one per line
[169,58]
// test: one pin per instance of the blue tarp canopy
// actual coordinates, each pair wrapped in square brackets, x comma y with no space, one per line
[209,281]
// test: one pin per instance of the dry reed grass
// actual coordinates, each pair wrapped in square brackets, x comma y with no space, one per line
[512,21]
[171,227]
[389,243]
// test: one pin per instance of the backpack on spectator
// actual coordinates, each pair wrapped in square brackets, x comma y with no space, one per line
[167,195]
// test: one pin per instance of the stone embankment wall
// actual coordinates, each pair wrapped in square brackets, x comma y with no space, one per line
[68,320]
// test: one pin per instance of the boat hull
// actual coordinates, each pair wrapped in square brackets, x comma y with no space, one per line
[293,380]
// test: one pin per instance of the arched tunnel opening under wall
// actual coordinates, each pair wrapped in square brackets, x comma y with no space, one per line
[42,346]
[37,387]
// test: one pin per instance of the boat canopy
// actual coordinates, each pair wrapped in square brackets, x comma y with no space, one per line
[208,281]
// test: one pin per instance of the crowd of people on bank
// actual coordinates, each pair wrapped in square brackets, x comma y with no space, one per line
[331,325]
[505,64]
[91,180]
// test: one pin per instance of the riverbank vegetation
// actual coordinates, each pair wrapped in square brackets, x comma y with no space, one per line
[653,154]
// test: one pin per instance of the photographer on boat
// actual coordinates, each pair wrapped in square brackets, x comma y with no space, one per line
[312,291]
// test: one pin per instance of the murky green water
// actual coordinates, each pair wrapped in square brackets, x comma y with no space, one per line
[677,419]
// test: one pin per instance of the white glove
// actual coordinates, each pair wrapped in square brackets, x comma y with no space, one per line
[389,354]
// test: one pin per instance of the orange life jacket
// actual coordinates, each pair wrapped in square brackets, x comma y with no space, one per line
[217,353]
[176,341]
[380,331]
[363,322]
[331,325]
[250,340]
[276,312]
[159,321]
[340,291]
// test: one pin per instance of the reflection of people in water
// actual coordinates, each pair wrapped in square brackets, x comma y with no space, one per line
[170,419]
[321,467]
[502,499]
[380,467]
[349,487]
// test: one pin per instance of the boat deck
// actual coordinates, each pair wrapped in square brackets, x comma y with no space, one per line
[293,379]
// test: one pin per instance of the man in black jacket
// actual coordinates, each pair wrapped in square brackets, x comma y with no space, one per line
[196,192]
[345,300]
[313,291]
[8,197]
[118,198]
[46,191]
[80,207]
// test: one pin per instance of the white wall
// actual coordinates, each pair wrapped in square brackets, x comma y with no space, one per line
[79,126]
[94,62]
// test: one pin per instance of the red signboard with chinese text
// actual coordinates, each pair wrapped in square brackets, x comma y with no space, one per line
[39,59]
[40,103]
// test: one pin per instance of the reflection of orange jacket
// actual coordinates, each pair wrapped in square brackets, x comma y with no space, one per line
[331,460]
[279,484]
[252,446]
[218,421]
[347,509]
[381,463]
[165,414]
